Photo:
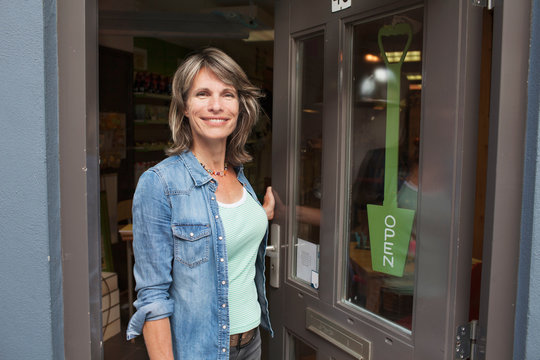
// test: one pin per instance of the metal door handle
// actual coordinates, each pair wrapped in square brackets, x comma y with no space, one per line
[272,251]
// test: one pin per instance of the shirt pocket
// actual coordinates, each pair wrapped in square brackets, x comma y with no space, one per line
[191,243]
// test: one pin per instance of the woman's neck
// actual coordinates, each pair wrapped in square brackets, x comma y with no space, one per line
[211,155]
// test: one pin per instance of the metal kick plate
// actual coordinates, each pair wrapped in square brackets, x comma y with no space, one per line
[342,338]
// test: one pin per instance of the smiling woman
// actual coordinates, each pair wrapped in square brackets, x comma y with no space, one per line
[199,232]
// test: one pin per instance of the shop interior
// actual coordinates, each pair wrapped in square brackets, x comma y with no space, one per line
[141,44]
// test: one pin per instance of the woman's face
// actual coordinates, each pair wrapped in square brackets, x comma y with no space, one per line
[212,108]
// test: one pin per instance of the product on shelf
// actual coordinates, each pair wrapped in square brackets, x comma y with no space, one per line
[151,83]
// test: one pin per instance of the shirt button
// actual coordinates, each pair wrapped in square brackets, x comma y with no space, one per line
[224,350]
[224,327]
[217,216]
[222,259]
[223,282]
[191,234]
[220,237]
[224,305]
[213,198]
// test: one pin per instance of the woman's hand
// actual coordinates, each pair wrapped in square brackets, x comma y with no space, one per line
[269,203]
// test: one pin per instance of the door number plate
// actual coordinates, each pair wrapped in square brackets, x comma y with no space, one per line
[338,5]
[342,338]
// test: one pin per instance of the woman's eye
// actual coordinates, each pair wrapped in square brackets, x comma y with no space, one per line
[230,95]
[201,93]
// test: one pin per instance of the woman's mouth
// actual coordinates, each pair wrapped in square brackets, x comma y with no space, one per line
[216,120]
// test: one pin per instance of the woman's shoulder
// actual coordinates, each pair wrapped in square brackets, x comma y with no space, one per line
[167,164]
[170,173]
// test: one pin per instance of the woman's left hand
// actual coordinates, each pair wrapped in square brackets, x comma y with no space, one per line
[269,203]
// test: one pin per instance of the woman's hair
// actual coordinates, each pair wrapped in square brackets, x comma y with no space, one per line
[228,71]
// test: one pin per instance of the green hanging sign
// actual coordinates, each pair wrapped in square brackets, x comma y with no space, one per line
[390,227]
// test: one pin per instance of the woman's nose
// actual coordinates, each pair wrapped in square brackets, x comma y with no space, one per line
[214,103]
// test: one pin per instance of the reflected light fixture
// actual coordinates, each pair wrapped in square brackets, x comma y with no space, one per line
[381,74]
[412,56]
[372,58]
[414,77]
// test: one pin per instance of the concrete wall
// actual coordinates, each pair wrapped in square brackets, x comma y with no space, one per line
[527,328]
[30,264]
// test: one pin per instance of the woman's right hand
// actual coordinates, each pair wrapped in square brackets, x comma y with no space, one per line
[269,203]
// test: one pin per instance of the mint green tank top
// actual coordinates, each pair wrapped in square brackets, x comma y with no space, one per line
[245,224]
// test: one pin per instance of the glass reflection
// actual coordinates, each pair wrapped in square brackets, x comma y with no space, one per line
[388,296]
[310,68]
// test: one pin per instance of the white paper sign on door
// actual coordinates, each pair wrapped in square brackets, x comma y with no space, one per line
[307,258]
[338,5]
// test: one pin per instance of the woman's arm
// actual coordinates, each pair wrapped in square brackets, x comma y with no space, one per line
[154,252]
[157,336]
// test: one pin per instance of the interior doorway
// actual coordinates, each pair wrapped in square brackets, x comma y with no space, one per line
[141,43]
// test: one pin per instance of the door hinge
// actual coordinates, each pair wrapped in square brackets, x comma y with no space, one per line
[466,347]
[483,3]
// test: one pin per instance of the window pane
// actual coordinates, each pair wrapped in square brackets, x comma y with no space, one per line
[309,114]
[385,105]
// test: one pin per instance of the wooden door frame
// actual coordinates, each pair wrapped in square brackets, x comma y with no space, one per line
[508,114]
[79,177]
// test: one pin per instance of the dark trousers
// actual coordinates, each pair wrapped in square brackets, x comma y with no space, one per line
[249,351]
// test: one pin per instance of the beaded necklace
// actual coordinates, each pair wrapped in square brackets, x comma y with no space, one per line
[214,172]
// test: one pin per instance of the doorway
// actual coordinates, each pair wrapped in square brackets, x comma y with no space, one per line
[141,45]
[455,77]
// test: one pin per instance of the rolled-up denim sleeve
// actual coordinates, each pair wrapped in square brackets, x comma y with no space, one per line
[153,250]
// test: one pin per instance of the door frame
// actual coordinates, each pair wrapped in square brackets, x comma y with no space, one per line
[77,27]
[508,115]
[77,31]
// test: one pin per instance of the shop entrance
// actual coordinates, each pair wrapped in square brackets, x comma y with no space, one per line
[372,142]
[337,305]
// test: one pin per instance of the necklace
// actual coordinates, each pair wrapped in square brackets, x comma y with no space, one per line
[214,172]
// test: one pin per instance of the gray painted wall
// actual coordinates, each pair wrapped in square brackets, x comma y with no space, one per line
[30,264]
[526,344]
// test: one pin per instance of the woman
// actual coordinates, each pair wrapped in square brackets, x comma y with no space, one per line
[199,232]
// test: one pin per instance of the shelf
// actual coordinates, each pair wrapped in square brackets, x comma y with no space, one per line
[142,95]
[145,122]
[149,155]
[147,150]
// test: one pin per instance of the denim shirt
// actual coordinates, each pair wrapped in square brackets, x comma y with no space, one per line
[181,258]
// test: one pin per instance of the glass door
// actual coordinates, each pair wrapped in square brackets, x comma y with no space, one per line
[385,101]
[371,140]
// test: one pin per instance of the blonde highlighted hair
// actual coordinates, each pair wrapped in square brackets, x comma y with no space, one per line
[228,71]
